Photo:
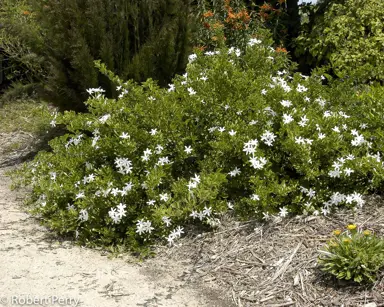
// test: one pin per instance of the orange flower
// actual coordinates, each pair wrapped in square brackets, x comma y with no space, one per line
[207,25]
[244,16]
[208,14]
[265,7]
[26,13]
[201,48]
[281,49]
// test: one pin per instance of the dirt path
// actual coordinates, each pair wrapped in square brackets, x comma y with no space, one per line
[33,264]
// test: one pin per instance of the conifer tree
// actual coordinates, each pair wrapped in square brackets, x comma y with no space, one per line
[136,39]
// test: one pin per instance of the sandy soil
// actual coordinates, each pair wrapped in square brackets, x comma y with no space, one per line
[35,264]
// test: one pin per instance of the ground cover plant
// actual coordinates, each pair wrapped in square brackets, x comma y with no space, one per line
[355,254]
[238,131]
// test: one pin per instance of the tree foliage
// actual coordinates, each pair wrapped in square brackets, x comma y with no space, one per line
[348,35]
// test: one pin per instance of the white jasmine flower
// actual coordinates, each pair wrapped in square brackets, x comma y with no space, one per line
[327,114]
[164,197]
[191,91]
[125,136]
[171,88]
[258,163]
[232,133]
[263,92]
[287,118]
[321,136]
[207,211]
[301,88]
[253,122]
[80,195]
[303,121]
[358,140]
[235,172]
[124,165]
[143,227]
[153,131]
[268,138]
[286,103]
[255,197]
[167,221]
[192,57]
[283,212]
[348,172]
[363,126]
[104,118]
[188,149]
[151,202]
[254,41]
[83,215]
[336,129]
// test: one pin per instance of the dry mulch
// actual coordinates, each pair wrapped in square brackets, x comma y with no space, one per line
[275,264]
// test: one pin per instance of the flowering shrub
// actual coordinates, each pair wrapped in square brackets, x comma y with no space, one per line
[353,255]
[236,132]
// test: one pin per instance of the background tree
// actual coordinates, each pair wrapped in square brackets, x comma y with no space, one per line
[135,38]
[347,35]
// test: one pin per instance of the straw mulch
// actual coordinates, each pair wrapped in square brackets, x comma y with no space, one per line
[275,263]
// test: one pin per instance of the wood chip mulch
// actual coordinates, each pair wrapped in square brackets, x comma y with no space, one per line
[275,264]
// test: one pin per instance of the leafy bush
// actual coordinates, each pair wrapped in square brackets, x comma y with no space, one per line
[353,255]
[347,35]
[237,131]
[19,34]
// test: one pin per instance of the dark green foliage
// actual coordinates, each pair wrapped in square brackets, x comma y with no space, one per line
[136,39]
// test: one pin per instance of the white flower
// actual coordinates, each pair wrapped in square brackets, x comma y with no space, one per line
[321,136]
[207,211]
[124,165]
[283,212]
[151,202]
[80,195]
[363,126]
[163,161]
[301,88]
[311,193]
[191,91]
[171,88]
[255,197]
[254,41]
[307,99]
[324,211]
[348,171]
[53,123]
[95,90]
[237,52]
[253,122]
[167,221]
[151,98]
[192,185]
[250,147]
[153,131]
[104,118]
[336,129]
[125,136]
[230,205]
[234,172]
[268,138]
[143,227]
[334,173]
[327,114]
[358,199]
[358,140]
[299,140]
[258,163]
[303,121]
[287,118]
[286,103]
[164,197]
[232,133]
[192,57]
[159,149]
[263,92]
[221,129]
[350,157]
[188,149]
[83,216]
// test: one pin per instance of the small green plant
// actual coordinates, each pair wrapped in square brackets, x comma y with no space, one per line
[354,254]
